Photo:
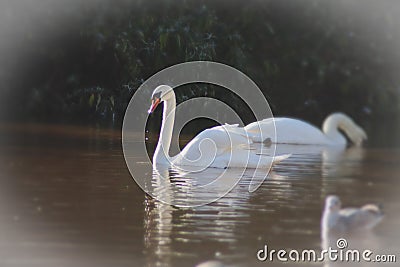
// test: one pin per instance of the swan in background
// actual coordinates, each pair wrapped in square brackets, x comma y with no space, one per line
[218,147]
[293,131]
[337,221]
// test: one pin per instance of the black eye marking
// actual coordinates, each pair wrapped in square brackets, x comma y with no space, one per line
[156,95]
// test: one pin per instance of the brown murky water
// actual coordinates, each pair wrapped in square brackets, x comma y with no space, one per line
[67,199]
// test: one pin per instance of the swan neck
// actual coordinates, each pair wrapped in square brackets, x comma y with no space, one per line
[331,130]
[161,155]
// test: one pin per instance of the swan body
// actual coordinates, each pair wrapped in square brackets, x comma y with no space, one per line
[218,147]
[294,131]
[339,221]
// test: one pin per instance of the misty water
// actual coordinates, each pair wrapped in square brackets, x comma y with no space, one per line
[68,199]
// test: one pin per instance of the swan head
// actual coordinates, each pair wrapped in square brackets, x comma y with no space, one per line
[340,120]
[160,94]
[332,203]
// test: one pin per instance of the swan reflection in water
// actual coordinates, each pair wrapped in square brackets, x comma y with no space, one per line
[183,188]
[330,162]
[168,228]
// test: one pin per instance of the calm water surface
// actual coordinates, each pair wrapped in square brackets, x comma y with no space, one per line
[67,199]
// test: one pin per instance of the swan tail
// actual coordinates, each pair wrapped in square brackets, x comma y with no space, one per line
[279,158]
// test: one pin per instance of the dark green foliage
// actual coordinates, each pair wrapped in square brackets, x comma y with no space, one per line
[309,57]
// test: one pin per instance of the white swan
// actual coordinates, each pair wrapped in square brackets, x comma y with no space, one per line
[293,131]
[219,147]
[339,221]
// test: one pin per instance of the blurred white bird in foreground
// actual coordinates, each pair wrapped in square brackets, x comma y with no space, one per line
[339,221]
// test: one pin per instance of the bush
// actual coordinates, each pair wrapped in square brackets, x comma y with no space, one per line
[309,57]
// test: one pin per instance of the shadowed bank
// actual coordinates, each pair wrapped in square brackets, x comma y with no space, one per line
[81,61]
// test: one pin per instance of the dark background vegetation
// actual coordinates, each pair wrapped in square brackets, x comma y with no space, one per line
[81,61]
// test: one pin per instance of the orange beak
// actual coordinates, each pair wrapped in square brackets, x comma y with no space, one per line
[154,104]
